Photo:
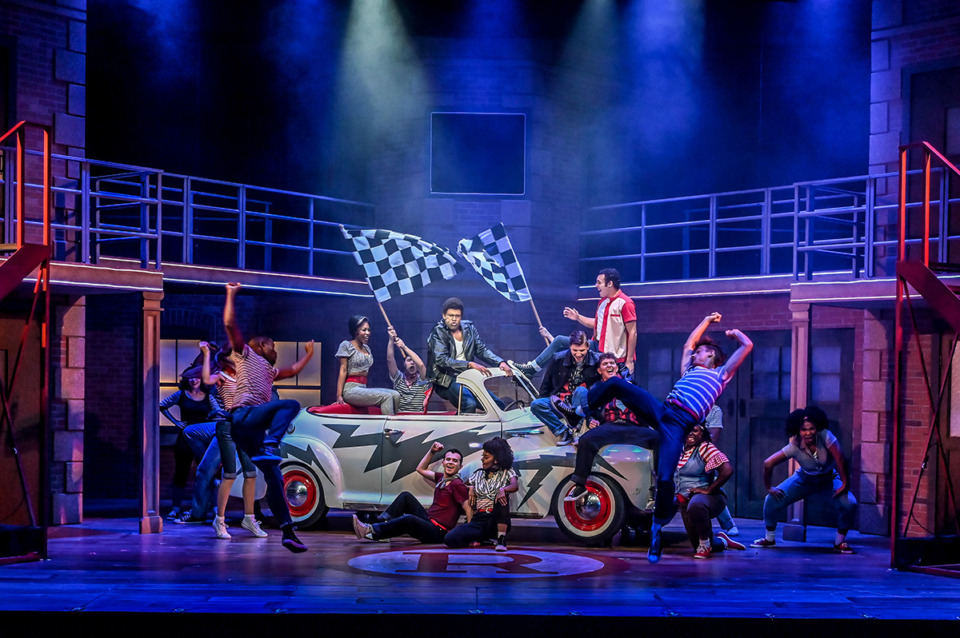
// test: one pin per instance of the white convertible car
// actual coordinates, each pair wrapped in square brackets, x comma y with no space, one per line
[362,461]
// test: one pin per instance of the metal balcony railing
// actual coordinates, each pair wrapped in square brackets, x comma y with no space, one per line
[846,225]
[109,210]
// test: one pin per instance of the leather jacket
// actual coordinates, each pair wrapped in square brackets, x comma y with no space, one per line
[442,367]
[562,365]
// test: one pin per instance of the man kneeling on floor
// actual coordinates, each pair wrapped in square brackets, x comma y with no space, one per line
[407,516]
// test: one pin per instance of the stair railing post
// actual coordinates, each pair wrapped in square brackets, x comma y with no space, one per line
[242,230]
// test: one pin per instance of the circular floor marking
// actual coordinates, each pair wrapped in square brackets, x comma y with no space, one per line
[476,563]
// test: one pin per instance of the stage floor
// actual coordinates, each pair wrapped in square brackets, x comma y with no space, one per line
[104,565]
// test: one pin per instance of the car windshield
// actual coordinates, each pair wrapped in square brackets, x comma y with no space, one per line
[514,394]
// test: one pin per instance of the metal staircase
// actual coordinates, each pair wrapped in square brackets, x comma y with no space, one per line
[27,539]
[938,550]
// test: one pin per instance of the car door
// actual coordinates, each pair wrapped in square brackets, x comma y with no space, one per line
[357,441]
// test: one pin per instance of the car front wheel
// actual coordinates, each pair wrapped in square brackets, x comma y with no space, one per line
[596,516]
[304,495]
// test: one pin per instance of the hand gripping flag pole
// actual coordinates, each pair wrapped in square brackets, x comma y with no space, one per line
[397,264]
[492,256]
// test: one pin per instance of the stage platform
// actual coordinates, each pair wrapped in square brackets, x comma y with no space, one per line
[104,566]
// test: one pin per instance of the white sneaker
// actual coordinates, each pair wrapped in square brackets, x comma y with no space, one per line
[220,527]
[251,525]
[733,531]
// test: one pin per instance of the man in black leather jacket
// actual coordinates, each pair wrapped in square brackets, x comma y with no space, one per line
[452,346]
[566,378]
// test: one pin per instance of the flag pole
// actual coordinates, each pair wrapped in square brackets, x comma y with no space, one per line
[537,315]
[385,317]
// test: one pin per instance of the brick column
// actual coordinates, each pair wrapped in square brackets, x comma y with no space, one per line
[67,421]
[150,520]
[875,488]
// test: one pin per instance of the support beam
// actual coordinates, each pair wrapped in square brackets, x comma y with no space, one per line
[150,519]
[796,529]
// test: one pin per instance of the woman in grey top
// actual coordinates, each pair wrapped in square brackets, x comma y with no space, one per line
[821,471]
[355,363]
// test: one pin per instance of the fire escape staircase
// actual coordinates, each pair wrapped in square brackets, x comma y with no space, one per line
[27,542]
[939,554]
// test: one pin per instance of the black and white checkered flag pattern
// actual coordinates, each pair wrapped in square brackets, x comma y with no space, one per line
[491,255]
[398,264]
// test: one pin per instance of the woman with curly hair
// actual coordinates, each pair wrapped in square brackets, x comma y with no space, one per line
[821,471]
[489,489]
[355,363]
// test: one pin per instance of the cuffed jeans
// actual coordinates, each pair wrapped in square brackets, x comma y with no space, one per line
[672,422]
[253,427]
[204,493]
[542,409]
[802,485]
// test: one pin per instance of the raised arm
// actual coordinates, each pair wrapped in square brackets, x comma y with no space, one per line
[422,470]
[391,352]
[694,337]
[739,356]
[295,369]
[407,352]
[230,318]
[205,376]
[573,313]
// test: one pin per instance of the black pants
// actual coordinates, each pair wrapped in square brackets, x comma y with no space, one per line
[482,526]
[407,516]
[607,434]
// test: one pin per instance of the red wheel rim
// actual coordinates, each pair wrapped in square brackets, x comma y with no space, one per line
[577,520]
[303,478]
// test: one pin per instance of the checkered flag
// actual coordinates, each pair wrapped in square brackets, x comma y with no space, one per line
[491,255]
[398,264]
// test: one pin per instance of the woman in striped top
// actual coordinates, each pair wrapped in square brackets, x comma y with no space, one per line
[701,473]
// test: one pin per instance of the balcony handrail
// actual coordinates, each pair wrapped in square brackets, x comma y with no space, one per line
[129,210]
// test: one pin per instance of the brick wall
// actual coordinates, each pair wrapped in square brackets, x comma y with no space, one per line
[50,44]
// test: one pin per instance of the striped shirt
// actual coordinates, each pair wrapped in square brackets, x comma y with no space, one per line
[486,485]
[698,389]
[226,390]
[413,397]
[254,378]
[711,455]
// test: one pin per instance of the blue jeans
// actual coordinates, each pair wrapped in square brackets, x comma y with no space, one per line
[672,422]
[542,410]
[204,493]
[469,405]
[802,485]
[265,424]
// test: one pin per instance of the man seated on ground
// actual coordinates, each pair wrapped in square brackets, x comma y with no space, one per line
[409,382]
[407,516]
[566,378]
[452,346]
